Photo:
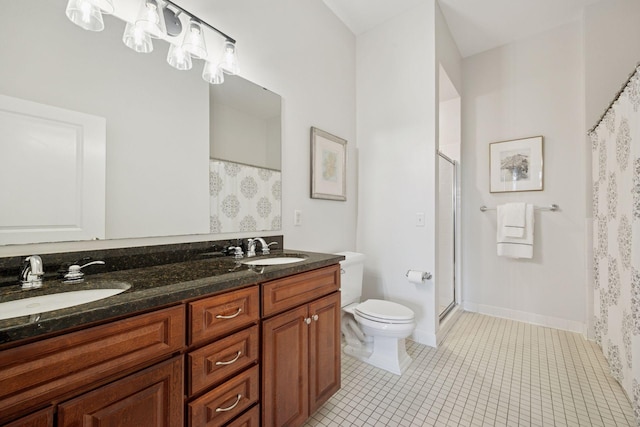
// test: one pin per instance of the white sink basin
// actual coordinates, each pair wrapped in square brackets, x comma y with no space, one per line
[274,261]
[43,303]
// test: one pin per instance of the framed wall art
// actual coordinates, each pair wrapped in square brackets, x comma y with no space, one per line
[516,165]
[328,166]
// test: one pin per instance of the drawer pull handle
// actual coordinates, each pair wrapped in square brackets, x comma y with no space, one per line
[315,317]
[230,407]
[230,361]
[236,314]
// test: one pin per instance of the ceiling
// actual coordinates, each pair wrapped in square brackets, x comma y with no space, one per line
[476,25]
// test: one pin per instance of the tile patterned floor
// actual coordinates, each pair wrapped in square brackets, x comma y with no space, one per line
[486,372]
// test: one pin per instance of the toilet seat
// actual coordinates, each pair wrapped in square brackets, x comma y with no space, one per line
[384,312]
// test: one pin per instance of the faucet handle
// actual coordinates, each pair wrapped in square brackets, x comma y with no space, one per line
[75,275]
[237,251]
[265,248]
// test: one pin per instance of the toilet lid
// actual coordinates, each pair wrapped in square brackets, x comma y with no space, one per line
[385,311]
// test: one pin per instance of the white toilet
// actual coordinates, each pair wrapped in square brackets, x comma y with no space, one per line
[374,330]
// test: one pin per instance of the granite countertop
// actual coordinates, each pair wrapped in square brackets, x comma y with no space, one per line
[150,287]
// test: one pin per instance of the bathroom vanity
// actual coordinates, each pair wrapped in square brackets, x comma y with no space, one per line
[204,342]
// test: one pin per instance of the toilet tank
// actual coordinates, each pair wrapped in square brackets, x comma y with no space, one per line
[351,270]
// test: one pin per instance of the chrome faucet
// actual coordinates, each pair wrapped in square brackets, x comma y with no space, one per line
[263,244]
[75,275]
[32,272]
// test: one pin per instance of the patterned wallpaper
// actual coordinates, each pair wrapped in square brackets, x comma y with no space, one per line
[615,145]
[243,198]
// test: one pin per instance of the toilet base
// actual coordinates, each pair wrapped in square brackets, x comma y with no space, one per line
[387,353]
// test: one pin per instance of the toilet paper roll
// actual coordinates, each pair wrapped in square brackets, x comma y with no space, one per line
[416,276]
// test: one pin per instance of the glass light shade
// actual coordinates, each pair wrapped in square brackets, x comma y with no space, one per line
[229,60]
[85,14]
[194,40]
[106,6]
[151,18]
[212,73]
[137,39]
[178,58]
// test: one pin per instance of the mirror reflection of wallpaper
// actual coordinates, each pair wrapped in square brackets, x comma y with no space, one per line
[244,198]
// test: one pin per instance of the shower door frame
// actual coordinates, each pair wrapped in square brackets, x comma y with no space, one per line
[454,203]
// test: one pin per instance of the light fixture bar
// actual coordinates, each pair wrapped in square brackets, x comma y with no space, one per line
[201,21]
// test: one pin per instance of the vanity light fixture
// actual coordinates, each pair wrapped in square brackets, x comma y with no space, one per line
[137,39]
[88,13]
[160,19]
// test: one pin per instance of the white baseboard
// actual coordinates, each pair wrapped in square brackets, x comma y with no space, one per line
[523,316]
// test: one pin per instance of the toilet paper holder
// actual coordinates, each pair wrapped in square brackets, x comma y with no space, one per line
[425,275]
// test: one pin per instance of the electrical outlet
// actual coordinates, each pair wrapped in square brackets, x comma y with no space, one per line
[420,219]
[297,217]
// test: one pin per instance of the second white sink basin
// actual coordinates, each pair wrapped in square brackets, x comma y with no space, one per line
[274,261]
[43,303]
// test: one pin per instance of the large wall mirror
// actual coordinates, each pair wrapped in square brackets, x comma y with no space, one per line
[162,137]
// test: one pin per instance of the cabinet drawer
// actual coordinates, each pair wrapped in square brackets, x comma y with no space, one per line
[251,418]
[225,401]
[37,373]
[282,294]
[215,362]
[221,314]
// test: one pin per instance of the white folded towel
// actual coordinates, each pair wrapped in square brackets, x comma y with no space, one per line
[516,247]
[513,219]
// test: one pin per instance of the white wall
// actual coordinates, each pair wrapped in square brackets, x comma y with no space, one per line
[527,88]
[612,50]
[301,51]
[396,116]
[449,131]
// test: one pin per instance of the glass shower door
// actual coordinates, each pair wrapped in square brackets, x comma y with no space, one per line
[446,280]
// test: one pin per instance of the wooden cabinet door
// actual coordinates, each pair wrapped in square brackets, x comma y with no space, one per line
[150,398]
[285,392]
[324,350]
[42,418]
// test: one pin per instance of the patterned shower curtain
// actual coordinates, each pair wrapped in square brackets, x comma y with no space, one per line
[616,211]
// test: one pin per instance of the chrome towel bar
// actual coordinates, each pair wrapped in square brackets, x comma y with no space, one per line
[552,208]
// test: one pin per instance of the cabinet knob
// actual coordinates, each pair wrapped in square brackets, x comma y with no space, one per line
[307,320]
[315,317]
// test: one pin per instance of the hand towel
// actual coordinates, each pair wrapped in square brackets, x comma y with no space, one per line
[517,247]
[512,216]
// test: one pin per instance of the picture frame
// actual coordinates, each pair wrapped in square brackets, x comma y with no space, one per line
[328,166]
[516,165]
